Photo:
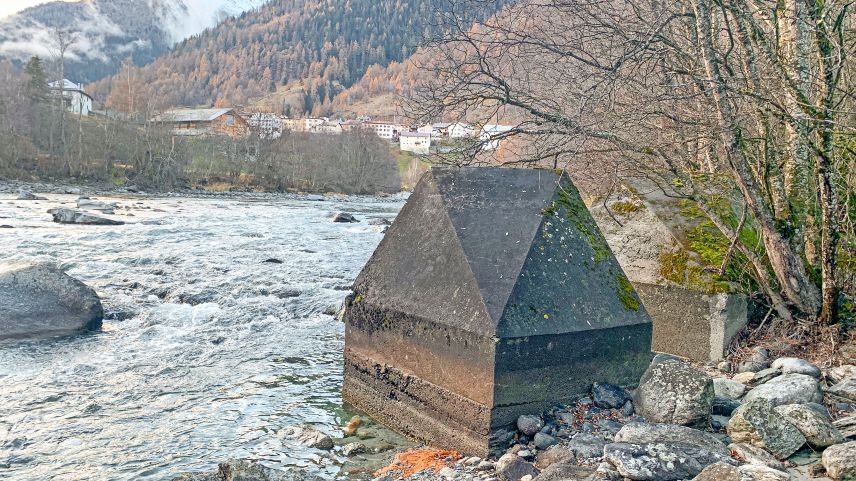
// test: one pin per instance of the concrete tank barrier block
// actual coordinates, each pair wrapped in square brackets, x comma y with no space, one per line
[493,295]
[693,325]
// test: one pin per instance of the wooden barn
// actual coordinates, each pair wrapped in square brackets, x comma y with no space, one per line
[199,122]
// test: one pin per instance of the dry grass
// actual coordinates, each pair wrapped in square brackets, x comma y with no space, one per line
[415,460]
[824,346]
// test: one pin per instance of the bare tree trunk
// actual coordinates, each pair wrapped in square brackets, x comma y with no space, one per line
[785,262]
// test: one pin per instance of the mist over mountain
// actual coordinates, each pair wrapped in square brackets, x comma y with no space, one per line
[110,31]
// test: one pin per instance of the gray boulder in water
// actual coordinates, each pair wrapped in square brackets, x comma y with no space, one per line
[249,471]
[64,215]
[40,299]
[27,195]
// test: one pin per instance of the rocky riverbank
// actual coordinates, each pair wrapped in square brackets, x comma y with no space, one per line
[786,421]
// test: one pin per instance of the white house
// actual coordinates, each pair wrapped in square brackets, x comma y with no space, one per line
[460,130]
[75,99]
[492,134]
[440,129]
[385,130]
[328,128]
[311,123]
[416,142]
[268,125]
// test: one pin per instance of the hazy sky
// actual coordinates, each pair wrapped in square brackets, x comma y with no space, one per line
[8,7]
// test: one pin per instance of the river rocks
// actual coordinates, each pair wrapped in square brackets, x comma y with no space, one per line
[812,423]
[835,375]
[566,472]
[307,436]
[352,449]
[661,461]
[846,426]
[344,218]
[585,447]
[249,471]
[558,455]
[755,455]
[27,195]
[793,365]
[543,441]
[744,377]
[760,360]
[840,461]
[642,433]
[64,215]
[529,425]
[749,472]
[40,299]
[728,388]
[607,396]
[512,467]
[845,389]
[756,423]
[723,406]
[787,389]
[675,393]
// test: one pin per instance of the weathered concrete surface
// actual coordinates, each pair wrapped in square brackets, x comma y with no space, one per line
[492,295]
[691,324]
[38,300]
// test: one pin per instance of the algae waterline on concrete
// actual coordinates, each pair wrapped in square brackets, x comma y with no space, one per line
[492,295]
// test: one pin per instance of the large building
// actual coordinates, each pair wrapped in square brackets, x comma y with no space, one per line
[267,125]
[199,122]
[416,142]
[75,99]
[385,130]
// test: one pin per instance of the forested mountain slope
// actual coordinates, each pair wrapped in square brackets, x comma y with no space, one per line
[323,46]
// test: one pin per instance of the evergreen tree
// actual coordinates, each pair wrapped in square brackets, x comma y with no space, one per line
[37,83]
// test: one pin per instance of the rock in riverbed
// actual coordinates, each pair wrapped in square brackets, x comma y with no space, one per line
[344,218]
[64,215]
[27,195]
[40,299]
[674,392]
[758,424]
[308,436]
[248,471]
[661,461]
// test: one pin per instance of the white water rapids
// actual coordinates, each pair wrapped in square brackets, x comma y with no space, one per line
[209,351]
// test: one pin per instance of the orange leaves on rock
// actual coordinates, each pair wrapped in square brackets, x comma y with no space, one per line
[413,461]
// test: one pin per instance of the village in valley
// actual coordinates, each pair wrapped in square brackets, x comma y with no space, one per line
[238,123]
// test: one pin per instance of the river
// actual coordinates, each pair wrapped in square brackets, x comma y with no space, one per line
[208,350]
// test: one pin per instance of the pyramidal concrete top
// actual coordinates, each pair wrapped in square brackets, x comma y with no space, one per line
[501,252]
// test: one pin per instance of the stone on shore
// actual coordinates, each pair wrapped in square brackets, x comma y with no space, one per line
[754,455]
[846,426]
[787,389]
[512,467]
[758,424]
[529,424]
[845,389]
[723,406]
[813,424]
[40,299]
[643,433]
[661,461]
[675,393]
[748,472]
[607,396]
[840,461]
[64,215]
[566,472]
[793,365]
[835,375]
[728,388]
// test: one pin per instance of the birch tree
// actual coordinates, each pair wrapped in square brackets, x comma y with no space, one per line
[739,105]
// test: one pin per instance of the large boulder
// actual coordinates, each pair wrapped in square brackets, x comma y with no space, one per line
[40,299]
[64,215]
[674,392]
[661,461]
[840,461]
[27,195]
[748,472]
[758,424]
[788,389]
[644,433]
[813,424]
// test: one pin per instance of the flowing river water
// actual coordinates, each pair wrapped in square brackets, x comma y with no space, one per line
[208,350]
